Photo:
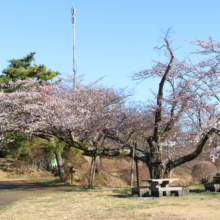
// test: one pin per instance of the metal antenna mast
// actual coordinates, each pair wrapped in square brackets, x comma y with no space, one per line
[74,49]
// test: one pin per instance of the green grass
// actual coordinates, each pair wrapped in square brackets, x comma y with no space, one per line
[114,204]
[197,186]
[194,189]
[123,190]
[52,182]
[10,206]
[56,182]
[199,189]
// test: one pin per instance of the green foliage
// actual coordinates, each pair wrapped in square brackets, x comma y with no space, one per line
[218,174]
[25,156]
[72,154]
[76,152]
[22,69]
[21,143]
[35,141]
[21,138]
[55,149]
[50,148]
[10,156]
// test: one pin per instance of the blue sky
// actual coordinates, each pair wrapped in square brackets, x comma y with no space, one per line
[113,38]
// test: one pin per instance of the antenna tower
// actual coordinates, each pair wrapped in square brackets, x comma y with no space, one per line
[74,49]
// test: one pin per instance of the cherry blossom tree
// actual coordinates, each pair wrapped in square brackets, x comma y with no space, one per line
[173,129]
[188,96]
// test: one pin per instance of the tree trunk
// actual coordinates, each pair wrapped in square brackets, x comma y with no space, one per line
[61,171]
[98,164]
[137,173]
[168,172]
[132,168]
[90,176]
[60,167]
[156,170]
[93,171]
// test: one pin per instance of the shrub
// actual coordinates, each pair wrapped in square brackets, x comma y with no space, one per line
[204,171]
[24,156]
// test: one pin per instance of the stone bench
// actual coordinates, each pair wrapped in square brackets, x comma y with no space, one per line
[212,187]
[167,191]
[185,190]
[142,191]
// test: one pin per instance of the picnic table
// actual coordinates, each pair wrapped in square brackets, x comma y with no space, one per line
[161,187]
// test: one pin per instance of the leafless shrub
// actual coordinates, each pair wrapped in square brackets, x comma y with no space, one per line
[204,171]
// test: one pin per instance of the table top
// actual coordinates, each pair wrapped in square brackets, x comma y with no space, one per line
[161,181]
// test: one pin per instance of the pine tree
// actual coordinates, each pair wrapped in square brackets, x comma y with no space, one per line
[22,69]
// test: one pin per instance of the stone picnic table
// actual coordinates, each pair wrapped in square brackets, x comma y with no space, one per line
[159,188]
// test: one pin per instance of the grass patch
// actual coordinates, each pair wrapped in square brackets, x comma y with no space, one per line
[197,186]
[9,206]
[112,203]
[56,182]
[123,190]
[199,189]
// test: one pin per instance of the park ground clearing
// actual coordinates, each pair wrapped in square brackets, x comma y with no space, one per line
[78,202]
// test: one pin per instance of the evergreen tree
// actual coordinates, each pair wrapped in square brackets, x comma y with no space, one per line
[22,69]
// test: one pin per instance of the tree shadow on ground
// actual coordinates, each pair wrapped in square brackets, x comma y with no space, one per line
[121,196]
[6,185]
[196,191]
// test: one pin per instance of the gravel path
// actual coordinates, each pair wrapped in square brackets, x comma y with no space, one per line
[14,190]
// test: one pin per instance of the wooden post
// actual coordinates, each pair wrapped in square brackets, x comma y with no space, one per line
[132,169]
[72,171]
[137,166]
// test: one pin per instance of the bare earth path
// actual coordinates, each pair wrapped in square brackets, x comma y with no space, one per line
[14,190]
